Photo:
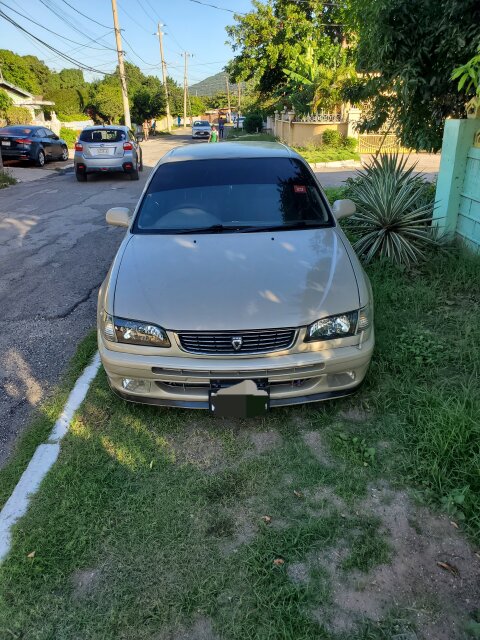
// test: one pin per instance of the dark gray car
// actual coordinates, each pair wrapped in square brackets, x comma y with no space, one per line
[107,148]
[32,143]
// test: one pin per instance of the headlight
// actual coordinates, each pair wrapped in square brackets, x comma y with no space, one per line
[333,327]
[133,332]
[341,326]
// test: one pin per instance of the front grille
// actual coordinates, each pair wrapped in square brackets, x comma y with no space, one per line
[222,342]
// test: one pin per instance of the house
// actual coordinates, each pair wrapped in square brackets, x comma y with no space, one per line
[22,98]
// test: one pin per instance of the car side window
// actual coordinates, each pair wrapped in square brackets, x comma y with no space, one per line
[40,133]
[50,134]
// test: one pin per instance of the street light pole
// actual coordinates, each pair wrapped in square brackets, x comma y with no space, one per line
[121,66]
[164,74]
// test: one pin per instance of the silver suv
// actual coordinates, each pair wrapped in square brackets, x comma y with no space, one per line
[107,148]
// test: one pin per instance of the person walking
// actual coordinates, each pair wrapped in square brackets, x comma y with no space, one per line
[145,130]
[213,137]
[221,128]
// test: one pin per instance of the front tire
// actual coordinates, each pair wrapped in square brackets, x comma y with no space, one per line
[81,177]
[134,175]
[140,165]
[40,161]
[64,156]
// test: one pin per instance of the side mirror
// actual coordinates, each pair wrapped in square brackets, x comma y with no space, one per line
[139,137]
[343,208]
[118,216]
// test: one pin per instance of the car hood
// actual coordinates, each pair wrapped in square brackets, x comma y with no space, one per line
[235,280]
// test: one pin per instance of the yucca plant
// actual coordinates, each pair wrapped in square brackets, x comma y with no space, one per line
[393,218]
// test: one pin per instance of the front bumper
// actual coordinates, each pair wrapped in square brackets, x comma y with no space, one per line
[184,381]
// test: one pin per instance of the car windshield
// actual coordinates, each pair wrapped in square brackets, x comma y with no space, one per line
[229,195]
[103,135]
[201,123]
[15,131]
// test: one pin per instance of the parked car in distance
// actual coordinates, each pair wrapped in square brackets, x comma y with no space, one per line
[102,149]
[32,143]
[201,129]
[234,282]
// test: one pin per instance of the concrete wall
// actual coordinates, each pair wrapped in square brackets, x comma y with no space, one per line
[296,133]
[306,133]
[457,197]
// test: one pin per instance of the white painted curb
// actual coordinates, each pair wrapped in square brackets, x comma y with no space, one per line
[43,459]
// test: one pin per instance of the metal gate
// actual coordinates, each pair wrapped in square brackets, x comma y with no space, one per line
[370,143]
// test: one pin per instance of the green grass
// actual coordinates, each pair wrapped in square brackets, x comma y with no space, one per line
[44,418]
[326,154]
[6,180]
[163,509]
[238,135]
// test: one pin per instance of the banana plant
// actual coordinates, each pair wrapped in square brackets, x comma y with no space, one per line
[468,76]
[326,81]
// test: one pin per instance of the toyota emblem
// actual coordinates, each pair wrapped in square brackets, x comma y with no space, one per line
[237,342]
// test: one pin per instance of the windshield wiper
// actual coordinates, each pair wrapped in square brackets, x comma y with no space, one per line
[299,224]
[213,228]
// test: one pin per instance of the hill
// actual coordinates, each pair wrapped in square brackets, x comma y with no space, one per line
[212,85]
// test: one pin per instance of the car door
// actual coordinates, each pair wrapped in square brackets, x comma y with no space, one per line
[55,144]
[44,141]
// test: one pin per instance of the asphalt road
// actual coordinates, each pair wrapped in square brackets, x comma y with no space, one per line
[55,250]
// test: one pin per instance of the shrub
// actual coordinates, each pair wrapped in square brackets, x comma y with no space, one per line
[253,123]
[393,218]
[5,102]
[18,115]
[332,138]
[349,143]
[69,135]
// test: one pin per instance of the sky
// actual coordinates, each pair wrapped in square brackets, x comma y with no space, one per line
[189,26]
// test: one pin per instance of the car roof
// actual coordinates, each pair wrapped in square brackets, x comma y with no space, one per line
[228,150]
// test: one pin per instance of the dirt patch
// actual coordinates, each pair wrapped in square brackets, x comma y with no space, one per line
[441,601]
[314,441]
[265,441]
[202,629]
[327,498]
[245,530]
[84,581]
[199,447]
[298,572]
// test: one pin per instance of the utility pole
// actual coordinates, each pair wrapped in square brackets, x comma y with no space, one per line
[164,74]
[185,88]
[228,94]
[121,66]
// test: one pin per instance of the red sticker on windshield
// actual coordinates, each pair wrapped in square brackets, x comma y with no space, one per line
[299,188]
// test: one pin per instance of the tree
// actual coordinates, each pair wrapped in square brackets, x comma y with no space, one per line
[106,99]
[323,83]
[5,102]
[407,51]
[271,38]
[197,106]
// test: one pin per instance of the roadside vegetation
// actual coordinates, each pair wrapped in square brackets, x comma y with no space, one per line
[70,136]
[6,180]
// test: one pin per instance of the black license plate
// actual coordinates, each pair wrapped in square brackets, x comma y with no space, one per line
[242,400]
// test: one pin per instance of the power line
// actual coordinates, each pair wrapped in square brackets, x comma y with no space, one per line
[133,19]
[60,14]
[214,6]
[145,12]
[48,46]
[85,16]
[82,44]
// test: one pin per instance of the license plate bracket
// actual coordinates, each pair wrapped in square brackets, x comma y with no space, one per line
[245,399]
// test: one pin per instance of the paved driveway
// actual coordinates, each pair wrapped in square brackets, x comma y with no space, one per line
[55,249]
